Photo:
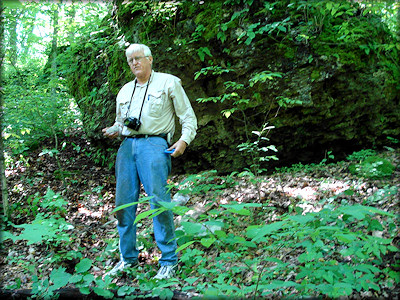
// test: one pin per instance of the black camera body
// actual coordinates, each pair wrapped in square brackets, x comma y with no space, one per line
[132,123]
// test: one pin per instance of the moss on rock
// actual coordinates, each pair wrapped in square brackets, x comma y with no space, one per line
[340,83]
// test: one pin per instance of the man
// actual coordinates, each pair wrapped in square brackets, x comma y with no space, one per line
[145,117]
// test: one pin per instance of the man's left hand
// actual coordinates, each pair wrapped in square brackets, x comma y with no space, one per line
[180,147]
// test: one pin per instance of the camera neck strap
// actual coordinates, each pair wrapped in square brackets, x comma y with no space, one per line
[144,98]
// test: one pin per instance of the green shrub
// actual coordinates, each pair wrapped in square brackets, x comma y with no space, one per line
[326,253]
[373,167]
[361,155]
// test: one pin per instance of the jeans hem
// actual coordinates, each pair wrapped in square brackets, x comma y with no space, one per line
[132,262]
[166,264]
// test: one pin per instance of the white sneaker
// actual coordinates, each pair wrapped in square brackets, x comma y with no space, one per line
[166,272]
[119,267]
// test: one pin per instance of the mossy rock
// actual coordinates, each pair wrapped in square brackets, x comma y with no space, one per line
[373,167]
[340,97]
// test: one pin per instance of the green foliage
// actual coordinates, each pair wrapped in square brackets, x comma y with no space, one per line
[299,34]
[51,202]
[327,21]
[212,70]
[259,150]
[381,196]
[92,97]
[263,77]
[233,100]
[46,227]
[82,278]
[373,167]
[286,102]
[32,113]
[37,104]
[307,168]
[153,15]
[85,281]
[275,27]
[202,52]
[328,253]
[393,140]
[204,182]
[336,253]
[46,287]
[361,155]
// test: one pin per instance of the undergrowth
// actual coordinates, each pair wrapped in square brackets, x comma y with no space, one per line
[233,249]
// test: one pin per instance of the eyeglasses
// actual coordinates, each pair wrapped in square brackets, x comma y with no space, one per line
[136,58]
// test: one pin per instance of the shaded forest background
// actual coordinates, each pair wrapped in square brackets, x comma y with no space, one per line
[290,187]
[325,75]
[318,76]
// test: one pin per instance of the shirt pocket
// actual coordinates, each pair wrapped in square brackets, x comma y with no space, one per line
[123,108]
[156,103]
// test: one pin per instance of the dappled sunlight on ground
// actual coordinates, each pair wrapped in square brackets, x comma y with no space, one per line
[307,193]
[90,196]
[94,214]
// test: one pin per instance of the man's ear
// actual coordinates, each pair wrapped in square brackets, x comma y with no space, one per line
[151,59]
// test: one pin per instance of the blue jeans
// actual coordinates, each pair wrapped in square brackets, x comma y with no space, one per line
[142,160]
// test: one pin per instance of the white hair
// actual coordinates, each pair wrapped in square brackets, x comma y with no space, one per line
[137,48]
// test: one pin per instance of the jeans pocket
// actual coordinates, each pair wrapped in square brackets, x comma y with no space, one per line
[158,142]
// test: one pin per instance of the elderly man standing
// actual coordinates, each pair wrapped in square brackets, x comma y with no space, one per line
[145,118]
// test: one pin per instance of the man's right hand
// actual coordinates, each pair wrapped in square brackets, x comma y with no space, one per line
[110,135]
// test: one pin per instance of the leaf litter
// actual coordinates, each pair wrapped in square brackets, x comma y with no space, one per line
[90,194]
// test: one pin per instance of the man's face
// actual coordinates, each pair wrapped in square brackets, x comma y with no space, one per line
[140,65]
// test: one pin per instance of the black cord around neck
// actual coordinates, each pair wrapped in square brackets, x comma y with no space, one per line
[144,98]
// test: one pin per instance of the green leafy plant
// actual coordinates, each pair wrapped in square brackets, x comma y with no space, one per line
[286,102]
[307,168]
[263,77]
[46,287]
[212,70]
[46,227]
[235,102]
[331,252]
[373,167]
[381,196]
[258,149]
[202,52]
[336,253]
[361,155]
[259,152]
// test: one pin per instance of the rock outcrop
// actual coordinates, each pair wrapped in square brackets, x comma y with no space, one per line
[326,77]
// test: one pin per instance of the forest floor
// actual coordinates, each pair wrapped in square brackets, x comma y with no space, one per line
[89,191]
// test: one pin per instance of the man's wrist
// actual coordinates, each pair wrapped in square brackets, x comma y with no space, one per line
[183,140]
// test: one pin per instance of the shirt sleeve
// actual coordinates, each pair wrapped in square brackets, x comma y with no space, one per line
[119,118]
[184,111]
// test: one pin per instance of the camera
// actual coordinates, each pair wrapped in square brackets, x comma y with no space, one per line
[132,123]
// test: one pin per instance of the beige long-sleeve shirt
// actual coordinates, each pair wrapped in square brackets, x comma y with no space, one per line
[164,99]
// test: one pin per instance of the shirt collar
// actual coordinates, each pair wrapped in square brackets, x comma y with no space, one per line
[148,81]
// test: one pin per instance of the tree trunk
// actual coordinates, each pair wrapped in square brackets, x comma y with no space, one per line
[398,21]
[4,192]
[53,83]
[13,40]
[53,52]
[72,28]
